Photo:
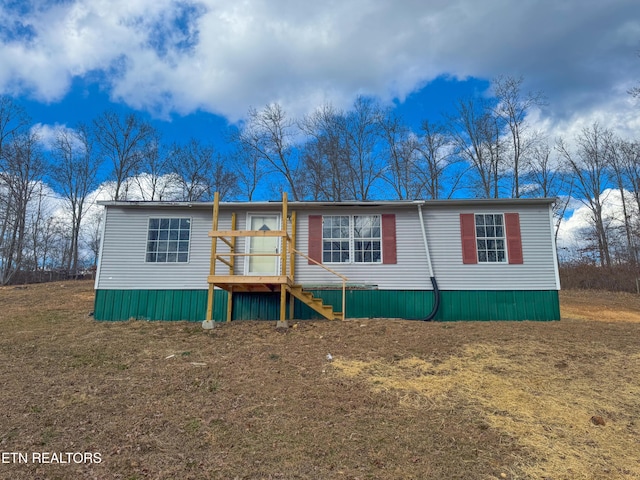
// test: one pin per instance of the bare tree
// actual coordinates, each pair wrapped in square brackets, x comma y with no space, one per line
[200,171]
[152,179]
[249,170]
[362,133]
[123,141]
[625,163]
[223,180]
[40,213]
[629,153]
[401,148]
[74,174]
[13,120]
[548,179]
[476,134]
[590,165]
[325,154]
[22,167]
[542,172]
[191,164]
[269,135]
[94,235]
[512,109]
[437,161]
[343,155]
[45,233]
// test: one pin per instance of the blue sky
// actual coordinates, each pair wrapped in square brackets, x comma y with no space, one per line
[195,67]
[86,99]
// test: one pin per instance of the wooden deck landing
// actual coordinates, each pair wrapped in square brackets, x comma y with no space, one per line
[250,283]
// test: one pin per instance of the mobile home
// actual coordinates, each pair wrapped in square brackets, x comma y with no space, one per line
[491,259]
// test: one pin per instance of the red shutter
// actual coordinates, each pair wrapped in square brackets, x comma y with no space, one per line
[468,234]
[514,240]
[315,238]
[389,239]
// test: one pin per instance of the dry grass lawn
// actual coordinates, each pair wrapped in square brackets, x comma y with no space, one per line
[397,400]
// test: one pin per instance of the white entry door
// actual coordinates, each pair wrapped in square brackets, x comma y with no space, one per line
[263,265]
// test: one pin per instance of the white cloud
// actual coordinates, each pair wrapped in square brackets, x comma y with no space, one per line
[224,56]
[47,134]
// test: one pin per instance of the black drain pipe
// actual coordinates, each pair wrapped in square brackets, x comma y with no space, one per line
[434,283]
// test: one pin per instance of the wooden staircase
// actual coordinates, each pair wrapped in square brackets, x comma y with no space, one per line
[281,281]
[314,303]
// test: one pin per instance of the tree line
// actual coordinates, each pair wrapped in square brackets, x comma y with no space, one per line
[485,147]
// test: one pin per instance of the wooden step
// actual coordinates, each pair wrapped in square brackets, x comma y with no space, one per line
[315,303]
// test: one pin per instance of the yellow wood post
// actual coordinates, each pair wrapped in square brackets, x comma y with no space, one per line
[212,264]
[232,268]
[283,263]
[292,253]
[292,302]
[344,299]
[283,242]
[283,304]
[292,262]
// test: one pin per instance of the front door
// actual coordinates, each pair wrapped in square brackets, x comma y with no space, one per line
[263,265]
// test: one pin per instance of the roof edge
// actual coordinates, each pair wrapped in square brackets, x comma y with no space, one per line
[313,205]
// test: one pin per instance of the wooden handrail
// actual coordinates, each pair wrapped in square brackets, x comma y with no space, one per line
[344,279]
[321,265]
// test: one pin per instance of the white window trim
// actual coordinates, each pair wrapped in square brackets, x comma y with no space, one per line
[352,240]
[504,238]
[146,243]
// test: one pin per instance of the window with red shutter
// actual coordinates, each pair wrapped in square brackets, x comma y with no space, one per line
[368,238]
[491,238]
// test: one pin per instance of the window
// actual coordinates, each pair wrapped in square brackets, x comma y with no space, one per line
[351,239]
[490,238]
[168,240]
[335,239]
[366,239]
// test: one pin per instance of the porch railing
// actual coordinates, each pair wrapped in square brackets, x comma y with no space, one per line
[342,277]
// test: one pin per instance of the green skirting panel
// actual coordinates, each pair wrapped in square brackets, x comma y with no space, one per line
[191,305]
[172,305]
[454,305]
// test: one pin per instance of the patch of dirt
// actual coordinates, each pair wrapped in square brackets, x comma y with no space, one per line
[397,400]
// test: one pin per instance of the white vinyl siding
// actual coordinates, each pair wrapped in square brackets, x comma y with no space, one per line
[442,225]
[409,273]
[123,263]
[537,272]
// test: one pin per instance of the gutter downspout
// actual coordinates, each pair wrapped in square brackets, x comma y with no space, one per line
[434,283]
